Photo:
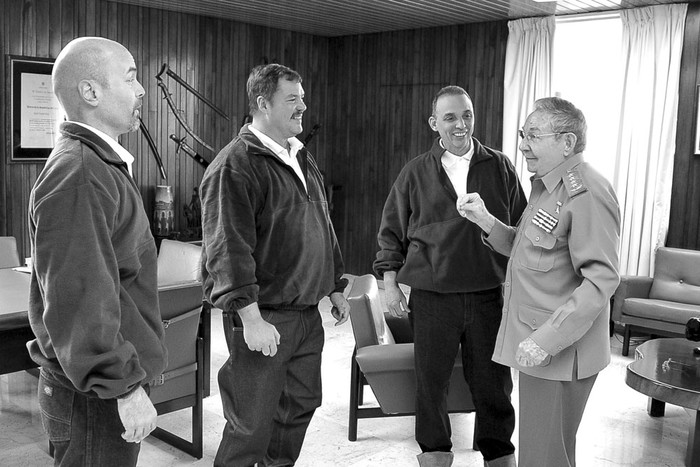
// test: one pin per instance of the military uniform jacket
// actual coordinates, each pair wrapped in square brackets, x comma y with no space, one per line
[562,271]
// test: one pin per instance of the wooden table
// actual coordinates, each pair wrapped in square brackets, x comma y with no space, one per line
[14,323]
[668,371]
[15,331]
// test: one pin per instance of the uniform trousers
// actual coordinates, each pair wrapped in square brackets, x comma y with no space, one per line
[441,322]
[550,414]
[267,401]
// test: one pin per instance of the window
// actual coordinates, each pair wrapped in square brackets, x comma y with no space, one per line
[587,71]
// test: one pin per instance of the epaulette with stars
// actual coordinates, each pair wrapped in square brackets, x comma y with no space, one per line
[574,182]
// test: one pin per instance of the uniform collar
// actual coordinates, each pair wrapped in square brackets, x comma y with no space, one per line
[557,174]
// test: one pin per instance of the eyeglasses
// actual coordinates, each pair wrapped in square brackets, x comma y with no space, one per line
[531,137]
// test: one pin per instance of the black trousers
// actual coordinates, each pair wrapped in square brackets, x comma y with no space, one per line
[441,322]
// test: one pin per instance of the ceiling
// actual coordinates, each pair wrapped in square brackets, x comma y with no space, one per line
[348,17]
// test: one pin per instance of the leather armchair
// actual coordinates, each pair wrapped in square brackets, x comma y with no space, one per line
[385,365]
[181,303]
[9,258]
[661,304]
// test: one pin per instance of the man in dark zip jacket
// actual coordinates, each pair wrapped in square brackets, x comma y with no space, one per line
[269,256]
[93,302]
[455,279]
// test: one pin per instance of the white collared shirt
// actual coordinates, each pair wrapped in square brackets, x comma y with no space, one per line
[118,148]
[457,168]
[289,158]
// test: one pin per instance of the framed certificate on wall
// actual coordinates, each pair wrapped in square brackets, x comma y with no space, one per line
[35,111]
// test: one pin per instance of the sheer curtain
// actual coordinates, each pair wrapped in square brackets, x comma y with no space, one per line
[652,41]
[528,77]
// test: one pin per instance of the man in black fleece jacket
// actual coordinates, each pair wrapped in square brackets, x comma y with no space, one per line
[455,279]
[93,302]
[270,255]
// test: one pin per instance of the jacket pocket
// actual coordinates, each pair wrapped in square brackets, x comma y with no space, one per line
[533,317]
[56,403]
[539,249]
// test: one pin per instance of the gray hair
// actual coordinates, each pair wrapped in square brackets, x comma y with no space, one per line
[564,117]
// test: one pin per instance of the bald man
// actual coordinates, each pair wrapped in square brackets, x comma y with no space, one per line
[93,300]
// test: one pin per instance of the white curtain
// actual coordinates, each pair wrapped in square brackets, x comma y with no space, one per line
[651,51]
[528,77]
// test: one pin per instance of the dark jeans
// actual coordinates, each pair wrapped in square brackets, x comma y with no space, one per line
[84,431]
[268,402]
[441,322]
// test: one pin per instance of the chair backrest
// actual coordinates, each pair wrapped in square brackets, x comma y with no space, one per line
[9,258]
[367,314]
[676,276]
[178,262]
[180,295]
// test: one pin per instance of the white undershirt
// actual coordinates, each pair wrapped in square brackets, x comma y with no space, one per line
[118,148]
[457,168]
[289,158]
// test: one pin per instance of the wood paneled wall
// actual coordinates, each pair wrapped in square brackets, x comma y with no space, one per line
[684,228]
[380,92]
[371,94]
[214,56]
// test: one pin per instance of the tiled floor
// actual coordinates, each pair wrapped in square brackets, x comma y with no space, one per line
[616,430]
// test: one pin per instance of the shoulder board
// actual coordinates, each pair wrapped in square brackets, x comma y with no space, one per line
[574,182]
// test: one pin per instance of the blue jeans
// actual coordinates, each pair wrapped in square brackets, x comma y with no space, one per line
[268,402]
[441,322]
[84,431]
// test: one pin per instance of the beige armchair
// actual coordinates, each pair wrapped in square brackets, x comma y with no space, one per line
[182,383]
[9,257]
[385,365]
[662,304]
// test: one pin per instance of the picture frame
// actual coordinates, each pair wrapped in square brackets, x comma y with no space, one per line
[34,110]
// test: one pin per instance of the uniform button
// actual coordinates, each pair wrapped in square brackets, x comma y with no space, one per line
[534,321]
[559,348]
[537,239]
[681,281]
[507,284]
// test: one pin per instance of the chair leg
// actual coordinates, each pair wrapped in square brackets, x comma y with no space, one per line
[626,340]
[475,446]
[198,409]
[195,447]
[355,388]
[361,389]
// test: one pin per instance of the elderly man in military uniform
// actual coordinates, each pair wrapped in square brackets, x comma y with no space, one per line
[562,272]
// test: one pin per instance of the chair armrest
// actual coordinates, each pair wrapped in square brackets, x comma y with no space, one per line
[385,358]
[630,287]
[180,297]
[400,328]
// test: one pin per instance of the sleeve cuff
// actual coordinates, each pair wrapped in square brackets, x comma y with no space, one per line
[130,391]
[341,285]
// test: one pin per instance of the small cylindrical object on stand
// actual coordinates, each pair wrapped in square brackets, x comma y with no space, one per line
[163,216]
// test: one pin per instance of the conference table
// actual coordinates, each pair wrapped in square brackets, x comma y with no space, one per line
[15,330]
[668,371]
[14,323]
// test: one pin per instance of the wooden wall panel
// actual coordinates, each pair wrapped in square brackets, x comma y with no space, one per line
[214,56]
[370,93]
[380,87]
[684,228]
